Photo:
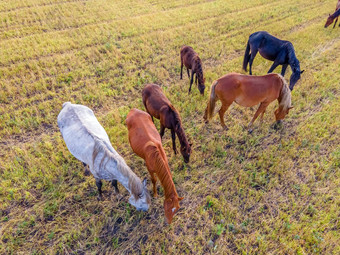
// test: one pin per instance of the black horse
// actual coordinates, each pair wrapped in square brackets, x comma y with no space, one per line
[274,49]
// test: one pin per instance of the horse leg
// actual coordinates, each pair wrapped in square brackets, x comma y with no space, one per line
[191,80]
[181,67]
[271,69]
[173,137]
[99,186]
[188,73]
[261,117]
[221,112]
[196,80]
[161,132]
[283,71]
[86,168]
[154,180]
[336,20]
[261,109]
[115,186]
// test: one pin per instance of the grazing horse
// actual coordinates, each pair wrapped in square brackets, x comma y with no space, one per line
[274,49]
[335,16]
[87,140]
[192,61]
[146,143]
[159,106]
[248,91]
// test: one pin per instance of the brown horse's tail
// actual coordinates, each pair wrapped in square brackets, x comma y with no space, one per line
[211,103]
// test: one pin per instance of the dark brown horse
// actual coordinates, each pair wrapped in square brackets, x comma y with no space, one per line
[334,16]
[146,143]
[192,61]
[247,90]
[159,106]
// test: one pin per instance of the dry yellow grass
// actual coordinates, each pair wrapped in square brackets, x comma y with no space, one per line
[271,192]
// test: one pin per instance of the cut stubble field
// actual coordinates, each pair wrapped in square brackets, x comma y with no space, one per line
[269,192]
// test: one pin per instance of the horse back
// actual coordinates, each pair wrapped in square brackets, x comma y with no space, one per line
[79,128]
[154,100]
[141,131]
[188,56]
[248,90]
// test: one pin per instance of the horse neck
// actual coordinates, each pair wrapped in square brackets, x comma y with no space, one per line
[157,158]
[198,69]
[113,162]
[179,130]
[181,136]
[292,59]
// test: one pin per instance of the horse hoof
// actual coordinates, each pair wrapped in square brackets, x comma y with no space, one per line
[250,131]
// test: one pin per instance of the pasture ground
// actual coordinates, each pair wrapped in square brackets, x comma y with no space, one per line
[270,192]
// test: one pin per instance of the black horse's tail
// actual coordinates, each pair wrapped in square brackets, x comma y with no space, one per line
[246,57]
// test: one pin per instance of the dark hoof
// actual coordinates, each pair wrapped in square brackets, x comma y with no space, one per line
[87,172]
[250,131]
[277,125]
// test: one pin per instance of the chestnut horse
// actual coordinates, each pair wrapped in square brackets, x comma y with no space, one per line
[159,106]
[334,16]
[247,90]
[192,61]
[146,143]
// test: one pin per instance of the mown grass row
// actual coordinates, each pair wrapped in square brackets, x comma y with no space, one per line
[115,64]
[270,192]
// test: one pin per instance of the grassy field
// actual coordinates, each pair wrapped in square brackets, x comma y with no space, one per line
[269,192]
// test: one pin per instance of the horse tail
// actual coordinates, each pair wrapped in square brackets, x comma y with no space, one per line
[212,101]
[246,57]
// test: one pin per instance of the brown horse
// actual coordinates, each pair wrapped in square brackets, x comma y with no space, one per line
[192,61]
[247,90]
[146,143]
[159,106]
[334,16]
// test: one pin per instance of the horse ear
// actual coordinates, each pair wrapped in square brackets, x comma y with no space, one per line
[290,107]
[145,182]
[180,198]
[302,71]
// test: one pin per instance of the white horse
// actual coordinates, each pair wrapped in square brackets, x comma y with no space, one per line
[87,140]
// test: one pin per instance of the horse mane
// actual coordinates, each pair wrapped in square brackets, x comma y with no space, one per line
[199,69]
[176,115]
[162,169]
[135,184]
[178,129]
[293,61]
[285,97]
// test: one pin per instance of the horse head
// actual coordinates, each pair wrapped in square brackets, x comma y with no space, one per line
[296,75]
[171,206]
[281,113]
[201,86]
[142,200]
[329,21]
[186,151]
[185,145]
